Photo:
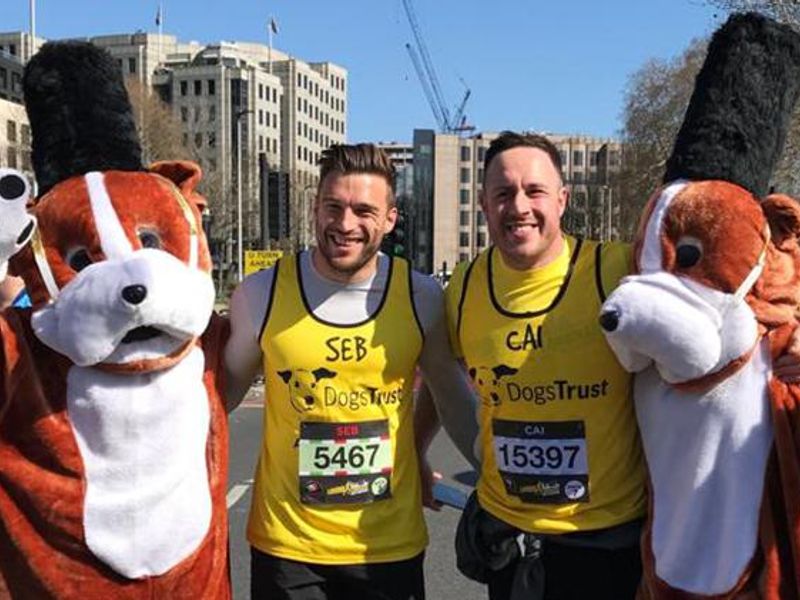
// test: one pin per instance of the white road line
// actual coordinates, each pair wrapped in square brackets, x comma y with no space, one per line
[235,494]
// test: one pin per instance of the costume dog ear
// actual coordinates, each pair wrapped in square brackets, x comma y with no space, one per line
[185,175]
[783,215]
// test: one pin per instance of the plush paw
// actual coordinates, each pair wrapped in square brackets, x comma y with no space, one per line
[16,224]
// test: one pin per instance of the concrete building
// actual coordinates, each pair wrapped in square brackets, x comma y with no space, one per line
[15,132]
[234,99]
[446,226]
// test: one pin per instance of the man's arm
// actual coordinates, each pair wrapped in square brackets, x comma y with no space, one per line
[243,357]
[452,396]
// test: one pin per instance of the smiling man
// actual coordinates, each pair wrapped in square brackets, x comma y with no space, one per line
[561,460]
[338,331]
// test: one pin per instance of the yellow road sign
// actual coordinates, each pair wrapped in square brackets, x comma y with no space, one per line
[256,260]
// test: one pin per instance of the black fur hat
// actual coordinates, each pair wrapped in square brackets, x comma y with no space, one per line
[80,115]
[736,123]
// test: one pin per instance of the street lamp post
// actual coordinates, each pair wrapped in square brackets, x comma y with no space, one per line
[239,253]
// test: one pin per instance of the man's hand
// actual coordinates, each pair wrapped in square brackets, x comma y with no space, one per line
[428,477]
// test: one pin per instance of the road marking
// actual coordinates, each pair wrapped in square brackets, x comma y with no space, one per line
[235,494]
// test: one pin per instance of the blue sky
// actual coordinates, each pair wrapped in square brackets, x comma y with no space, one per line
[556,66]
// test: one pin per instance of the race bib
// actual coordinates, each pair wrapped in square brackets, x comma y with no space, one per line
[344,463]
[542,462]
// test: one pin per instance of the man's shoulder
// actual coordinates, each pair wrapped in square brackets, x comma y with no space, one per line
[425,285]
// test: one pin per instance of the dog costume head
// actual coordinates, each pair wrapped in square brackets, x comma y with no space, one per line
[713,302]
[118,269]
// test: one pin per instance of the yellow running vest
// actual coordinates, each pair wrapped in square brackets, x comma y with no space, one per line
[337,480]
[561,450]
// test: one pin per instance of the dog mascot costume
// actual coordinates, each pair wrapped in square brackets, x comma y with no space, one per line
[113,433]
[715,300]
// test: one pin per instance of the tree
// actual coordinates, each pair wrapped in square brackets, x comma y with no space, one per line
[656,98]
[784,11]
[160,132]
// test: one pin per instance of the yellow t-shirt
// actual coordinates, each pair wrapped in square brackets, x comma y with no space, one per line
[337,480]
[560,447]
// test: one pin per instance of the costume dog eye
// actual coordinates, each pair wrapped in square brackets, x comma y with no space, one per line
[688,252]
[150,239]
[78,259]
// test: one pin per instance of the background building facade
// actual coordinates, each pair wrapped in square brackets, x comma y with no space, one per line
[254,118]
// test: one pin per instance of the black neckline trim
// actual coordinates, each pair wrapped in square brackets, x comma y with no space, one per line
[342,325]
[464,294]
[598,273]
[562,290]
[410,272]
[271,298]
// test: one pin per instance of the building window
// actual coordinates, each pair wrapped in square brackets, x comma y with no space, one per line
[16,82]
[613,158]
[212,113]
[212,139]
[463,257]
[3,78]
[481,239]
[267,118]
[481,153]
[299,153]
[563,156]
[592,159]
[198,87]
[131,65]
[184,88]
[464,175]
[480,218]
[12,50]
[212,87]
[577,177]
[463,239]
[11,131]
[25,130]
[577,158]
[464,218]
[465,153]
[261,91]
[12,157]
[261,143]
[198,140]
[463,196]
[299,80]
[274,95]
[480,175]
[26,161]
[197,113]
[260,117]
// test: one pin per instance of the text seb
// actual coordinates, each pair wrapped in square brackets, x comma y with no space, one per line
[346,348]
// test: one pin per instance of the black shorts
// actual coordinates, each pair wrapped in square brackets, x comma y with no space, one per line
[273,578]
[578,573]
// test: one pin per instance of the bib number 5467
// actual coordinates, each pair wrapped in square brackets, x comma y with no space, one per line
[345,457]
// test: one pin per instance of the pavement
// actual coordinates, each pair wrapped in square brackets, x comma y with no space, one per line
[443,581]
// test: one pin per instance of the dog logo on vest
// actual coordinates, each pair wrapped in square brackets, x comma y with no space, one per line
[302,384]
[487,381]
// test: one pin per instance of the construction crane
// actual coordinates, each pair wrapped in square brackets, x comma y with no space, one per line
[423,65]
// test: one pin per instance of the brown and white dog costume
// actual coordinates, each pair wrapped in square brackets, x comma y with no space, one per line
[715,300]
[113,433]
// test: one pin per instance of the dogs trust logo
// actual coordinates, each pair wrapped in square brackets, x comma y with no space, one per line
[302,384]
[487,380]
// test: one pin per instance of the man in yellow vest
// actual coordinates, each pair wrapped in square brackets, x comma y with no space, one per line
[561,493]
[338,332]
[561,496]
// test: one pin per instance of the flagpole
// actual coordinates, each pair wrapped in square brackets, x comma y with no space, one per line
[269,56]
[160,30]
[32,7]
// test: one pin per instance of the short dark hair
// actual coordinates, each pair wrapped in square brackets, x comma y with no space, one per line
[357,158]
[510,139]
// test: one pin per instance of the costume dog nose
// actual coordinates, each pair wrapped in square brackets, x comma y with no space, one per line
[134,294]
[12,187]
[609,320]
